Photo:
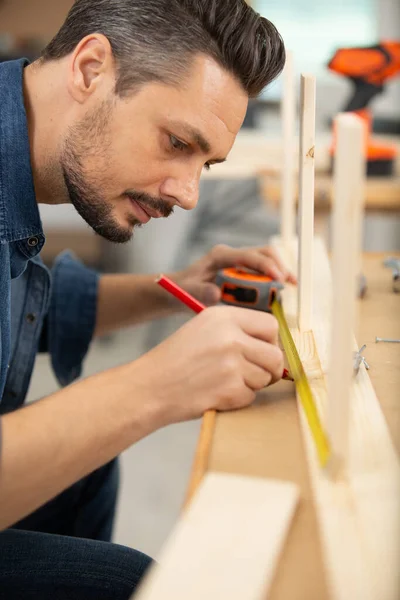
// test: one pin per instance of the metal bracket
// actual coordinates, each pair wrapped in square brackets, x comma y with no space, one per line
[359,359]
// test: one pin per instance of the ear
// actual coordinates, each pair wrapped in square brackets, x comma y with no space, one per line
[91,66]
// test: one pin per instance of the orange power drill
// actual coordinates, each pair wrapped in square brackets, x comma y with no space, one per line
[369,68]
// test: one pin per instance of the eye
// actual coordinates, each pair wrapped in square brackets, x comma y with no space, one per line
[176,143]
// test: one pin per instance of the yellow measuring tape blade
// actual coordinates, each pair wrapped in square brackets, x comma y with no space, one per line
[302,385]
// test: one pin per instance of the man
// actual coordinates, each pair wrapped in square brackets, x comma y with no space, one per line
[127,105]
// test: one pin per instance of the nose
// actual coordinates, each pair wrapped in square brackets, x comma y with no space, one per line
[183,188]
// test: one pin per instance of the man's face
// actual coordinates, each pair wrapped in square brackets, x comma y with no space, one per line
[127,160]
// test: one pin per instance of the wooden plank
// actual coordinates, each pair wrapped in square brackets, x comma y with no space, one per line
[349,178]
[227,543]
[288,226]
[203,448]
[306,200]
[358,516]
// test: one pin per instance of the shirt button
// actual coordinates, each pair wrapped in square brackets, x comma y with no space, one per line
[33,241]
[31,317]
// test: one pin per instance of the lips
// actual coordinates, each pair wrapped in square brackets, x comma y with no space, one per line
[140,213]
[149,211]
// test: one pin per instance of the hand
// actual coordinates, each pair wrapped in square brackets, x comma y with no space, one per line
[218,360]
[198,279]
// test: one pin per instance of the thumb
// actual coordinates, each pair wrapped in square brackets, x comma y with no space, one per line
[208,293]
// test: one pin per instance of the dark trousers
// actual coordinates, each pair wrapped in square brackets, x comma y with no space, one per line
[62,551]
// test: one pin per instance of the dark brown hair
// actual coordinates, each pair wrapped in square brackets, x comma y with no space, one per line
[157,39]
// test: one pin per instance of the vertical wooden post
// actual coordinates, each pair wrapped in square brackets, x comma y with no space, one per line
[288,226]
[306,200]
[349,174]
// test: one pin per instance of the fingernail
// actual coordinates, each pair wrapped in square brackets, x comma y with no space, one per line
[212,295]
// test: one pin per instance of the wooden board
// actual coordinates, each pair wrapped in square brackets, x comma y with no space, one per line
[345,265]
[305,264]
[265,439]
[359,513]
[202,455]
[227,543]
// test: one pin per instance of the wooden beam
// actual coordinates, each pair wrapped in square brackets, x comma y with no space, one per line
[227,544]
[306,200]
[288,225]
[349,176]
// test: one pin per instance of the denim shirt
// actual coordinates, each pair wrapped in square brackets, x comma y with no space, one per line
[40,310]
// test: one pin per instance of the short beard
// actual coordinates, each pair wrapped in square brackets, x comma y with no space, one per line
[89,138]
[91,207]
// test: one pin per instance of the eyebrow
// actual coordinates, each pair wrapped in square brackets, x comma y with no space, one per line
[197,138]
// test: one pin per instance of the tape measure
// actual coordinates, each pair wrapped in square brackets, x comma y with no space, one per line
[248,290]
[302,385]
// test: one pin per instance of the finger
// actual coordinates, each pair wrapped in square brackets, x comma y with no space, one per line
[263,260]
[272,253]
[224,256]
[208,293]
[236,401]
[255,377]
[257,324]
[257,261]
[268,357]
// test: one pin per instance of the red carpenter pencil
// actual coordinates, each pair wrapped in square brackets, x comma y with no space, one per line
[180,294]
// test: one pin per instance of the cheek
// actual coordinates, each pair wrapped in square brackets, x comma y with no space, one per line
[137,163]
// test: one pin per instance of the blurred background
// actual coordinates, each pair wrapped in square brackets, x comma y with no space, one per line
[239,205]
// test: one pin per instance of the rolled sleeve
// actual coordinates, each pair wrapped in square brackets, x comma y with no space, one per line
[72,316]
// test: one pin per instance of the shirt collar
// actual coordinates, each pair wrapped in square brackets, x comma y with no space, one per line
[19,213]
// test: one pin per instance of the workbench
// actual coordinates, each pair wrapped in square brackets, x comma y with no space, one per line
[264,440]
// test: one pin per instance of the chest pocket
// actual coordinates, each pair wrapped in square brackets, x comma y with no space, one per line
[29,305]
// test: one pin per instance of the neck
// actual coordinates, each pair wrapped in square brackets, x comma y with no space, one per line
[44,106]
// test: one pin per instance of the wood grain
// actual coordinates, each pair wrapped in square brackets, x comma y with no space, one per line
[227,543]
[350,171]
